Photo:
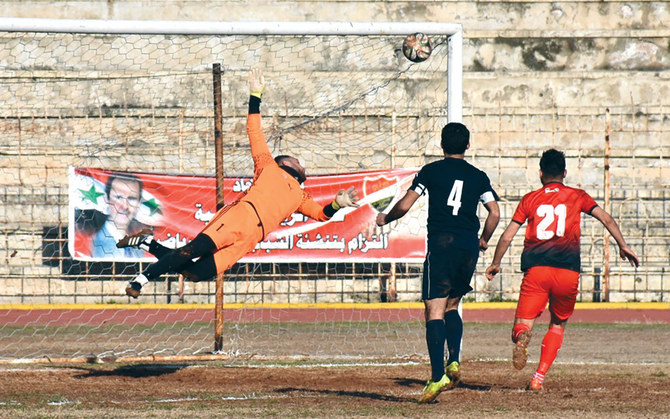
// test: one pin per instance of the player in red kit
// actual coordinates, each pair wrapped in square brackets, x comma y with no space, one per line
[550,259]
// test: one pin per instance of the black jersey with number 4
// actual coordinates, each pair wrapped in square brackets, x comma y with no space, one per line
[454,187]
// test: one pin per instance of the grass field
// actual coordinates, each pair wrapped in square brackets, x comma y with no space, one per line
[603,370]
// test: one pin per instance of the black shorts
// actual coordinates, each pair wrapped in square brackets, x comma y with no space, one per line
[447,271]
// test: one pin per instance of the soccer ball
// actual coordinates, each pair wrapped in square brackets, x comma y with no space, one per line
[417,47]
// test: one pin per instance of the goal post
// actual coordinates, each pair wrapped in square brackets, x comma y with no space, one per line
[136,96]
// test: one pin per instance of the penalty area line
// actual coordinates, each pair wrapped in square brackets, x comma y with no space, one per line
[567,362]
[327,365]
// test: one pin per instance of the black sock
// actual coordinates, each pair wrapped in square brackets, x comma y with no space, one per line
[435,340]
[453,325]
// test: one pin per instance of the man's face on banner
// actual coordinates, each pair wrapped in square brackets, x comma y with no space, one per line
[124,200]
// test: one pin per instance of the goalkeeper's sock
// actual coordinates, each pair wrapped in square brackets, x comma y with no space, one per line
[435,339]
[550,346]
[141,280]
[453,324]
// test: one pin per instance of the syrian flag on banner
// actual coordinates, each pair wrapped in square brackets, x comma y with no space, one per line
[89,214]
[87,193]
[151,210]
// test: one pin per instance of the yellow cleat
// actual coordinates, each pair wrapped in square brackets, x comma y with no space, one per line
[433,388]
[454,373]
[520,352]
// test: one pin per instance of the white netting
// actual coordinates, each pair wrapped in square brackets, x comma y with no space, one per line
[145,103]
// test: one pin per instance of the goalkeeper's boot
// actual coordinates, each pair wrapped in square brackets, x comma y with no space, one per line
[134,287]
[520,352]
[139,240]
[453,373]
[536,382]
[433,388]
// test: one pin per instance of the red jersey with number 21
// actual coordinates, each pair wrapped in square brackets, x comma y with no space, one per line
[553,231]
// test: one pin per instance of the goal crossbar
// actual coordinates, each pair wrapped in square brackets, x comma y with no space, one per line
[182,27]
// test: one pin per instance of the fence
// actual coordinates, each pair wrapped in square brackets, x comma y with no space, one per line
[37,268]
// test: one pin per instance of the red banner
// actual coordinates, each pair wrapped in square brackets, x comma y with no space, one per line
[105,206]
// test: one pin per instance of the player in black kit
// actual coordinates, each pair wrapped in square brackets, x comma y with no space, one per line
[454,187]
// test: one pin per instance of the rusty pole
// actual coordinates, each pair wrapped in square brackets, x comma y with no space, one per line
[218,149]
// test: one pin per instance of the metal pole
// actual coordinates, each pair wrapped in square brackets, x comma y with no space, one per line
[210,27]
[218,135]
[455,78]
[606,241]
[218,149]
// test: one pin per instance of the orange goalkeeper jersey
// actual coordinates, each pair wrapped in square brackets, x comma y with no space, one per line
[274,193]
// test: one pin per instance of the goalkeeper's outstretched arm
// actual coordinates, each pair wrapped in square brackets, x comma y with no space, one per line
[342,199]
[260,151]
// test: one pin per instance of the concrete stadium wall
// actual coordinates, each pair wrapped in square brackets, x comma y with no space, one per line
[536,74]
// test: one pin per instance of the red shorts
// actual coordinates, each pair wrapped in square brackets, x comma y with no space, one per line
[542,284]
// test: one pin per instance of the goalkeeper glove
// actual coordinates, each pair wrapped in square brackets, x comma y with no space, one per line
[256,82]
[346,198]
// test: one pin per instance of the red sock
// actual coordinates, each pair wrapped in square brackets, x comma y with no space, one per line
[550,345]
[517,330]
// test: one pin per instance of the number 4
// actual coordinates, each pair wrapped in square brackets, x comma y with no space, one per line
[547,213]
[454,199]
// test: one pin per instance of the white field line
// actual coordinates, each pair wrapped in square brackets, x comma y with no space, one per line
[568,362]
[261,365]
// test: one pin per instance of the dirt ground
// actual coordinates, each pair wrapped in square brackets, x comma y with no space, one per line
[488,389]
[603,371]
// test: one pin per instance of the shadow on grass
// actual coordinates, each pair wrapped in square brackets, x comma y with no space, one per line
[408,382]
[413,382]
[133,371]
[474,387]
[359,394]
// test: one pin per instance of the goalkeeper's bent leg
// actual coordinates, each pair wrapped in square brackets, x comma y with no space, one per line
[203,269]
[178,259]
[158,249]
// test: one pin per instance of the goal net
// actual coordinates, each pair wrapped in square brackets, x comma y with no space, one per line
[83,97]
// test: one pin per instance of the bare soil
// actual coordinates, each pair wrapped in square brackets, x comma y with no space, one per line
[602,372]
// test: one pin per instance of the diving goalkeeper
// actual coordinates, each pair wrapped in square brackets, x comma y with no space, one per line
[235,229]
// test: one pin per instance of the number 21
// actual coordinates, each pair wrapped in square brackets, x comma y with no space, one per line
[547,212]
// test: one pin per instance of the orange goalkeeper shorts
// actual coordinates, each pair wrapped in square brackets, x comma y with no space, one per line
[542,284]
[235,230]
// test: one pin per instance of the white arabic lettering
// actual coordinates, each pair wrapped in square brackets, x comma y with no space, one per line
[365,244]
[241,185]
[283,243]
[201,215]
[319,243]
[296,217]
[173,242]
